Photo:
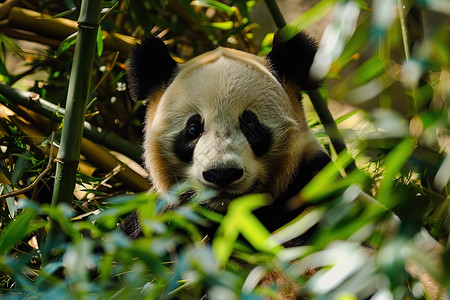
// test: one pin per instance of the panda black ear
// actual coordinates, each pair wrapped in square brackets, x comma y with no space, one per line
[150,67]
[291,60]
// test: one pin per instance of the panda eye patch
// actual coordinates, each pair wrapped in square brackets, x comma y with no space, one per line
[258,136]
[186,140]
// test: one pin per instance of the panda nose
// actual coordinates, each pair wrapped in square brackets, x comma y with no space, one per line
[222,177]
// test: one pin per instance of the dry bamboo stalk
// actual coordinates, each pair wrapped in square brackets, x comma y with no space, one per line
[60,28]
[30,36]
[94,153]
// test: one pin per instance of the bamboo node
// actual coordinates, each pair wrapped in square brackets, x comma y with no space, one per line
[64,161]
[87,25]
[34,96]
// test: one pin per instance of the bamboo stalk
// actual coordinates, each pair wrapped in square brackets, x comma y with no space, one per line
[411,22]
[45,108]
[277,16]
[77,97]
[329,124]
[316,97]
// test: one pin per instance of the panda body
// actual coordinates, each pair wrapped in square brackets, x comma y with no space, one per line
[229,121]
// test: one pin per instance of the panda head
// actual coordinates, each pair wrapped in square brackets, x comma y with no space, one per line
[226,120]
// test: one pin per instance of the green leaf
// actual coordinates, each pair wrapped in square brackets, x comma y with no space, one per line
[394,162]
[10,201]
[20,167]
[4,74]
[17,230]
[213,4]
[240,220]
[227,25]
[61,214]
[308,18]
[327,180]
[371,69]
[65,45]
[99,41]
[10,44]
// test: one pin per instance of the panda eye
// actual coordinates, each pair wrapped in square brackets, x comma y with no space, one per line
[194,129]
[251,125]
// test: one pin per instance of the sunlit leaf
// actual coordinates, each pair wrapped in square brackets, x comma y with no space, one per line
[240,220]
[394,162]
[308,18]
[213,4]
[222,25]
[336,34]
[99,41]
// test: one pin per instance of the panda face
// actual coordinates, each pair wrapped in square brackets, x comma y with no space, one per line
[225,123]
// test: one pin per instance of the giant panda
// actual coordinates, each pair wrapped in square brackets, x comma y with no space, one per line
[228,121]
[231,122]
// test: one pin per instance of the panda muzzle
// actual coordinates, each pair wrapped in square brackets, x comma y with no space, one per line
[222,177]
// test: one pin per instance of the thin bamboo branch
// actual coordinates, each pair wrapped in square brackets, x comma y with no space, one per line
[403,8]
[277,16]
[45,108]
[412,33]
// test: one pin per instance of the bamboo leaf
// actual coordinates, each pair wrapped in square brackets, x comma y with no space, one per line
[99,41]
[10,201]
[227,25]
[10,44]
[65,45]
[240,220]
[4,74]
[308,18]
[20,167]
[371,69]
[213,4]
[394,162]
[17,230]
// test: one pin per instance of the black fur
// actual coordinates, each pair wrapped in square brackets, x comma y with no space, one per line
[257,135]
[131,226]
[186,140]
[278,213]
[291,60]
[151,67]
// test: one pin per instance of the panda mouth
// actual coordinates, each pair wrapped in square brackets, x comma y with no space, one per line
[222,199]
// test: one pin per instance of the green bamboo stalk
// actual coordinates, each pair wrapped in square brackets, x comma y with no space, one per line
[77,97]
[410,18]
[47,109]
[320,106]
[277,16]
